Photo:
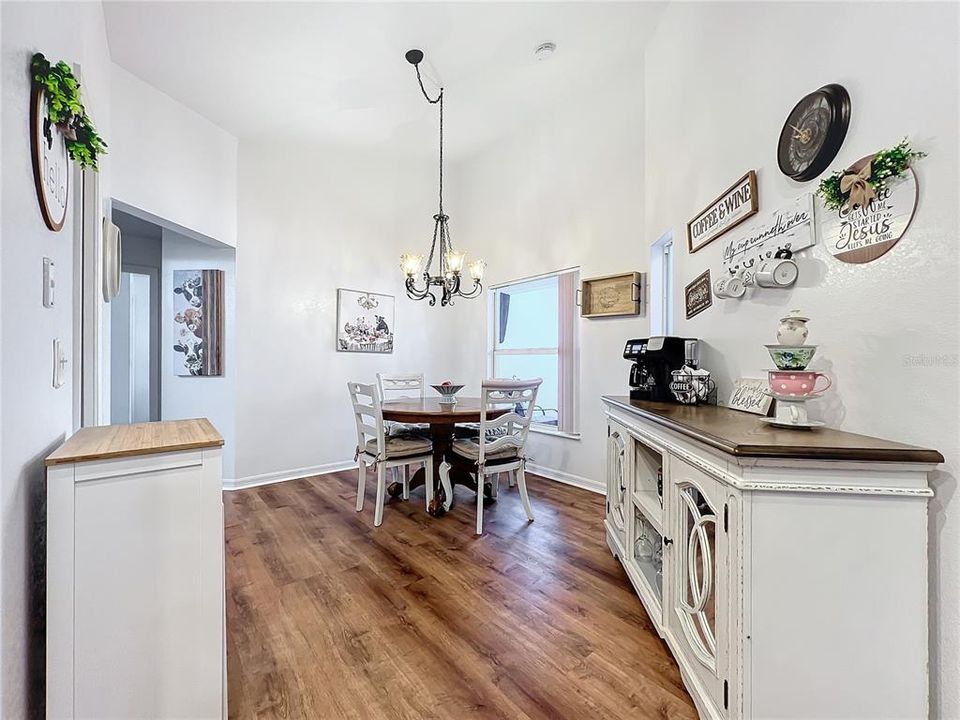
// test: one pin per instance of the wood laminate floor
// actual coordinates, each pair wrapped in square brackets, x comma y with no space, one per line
[329,617]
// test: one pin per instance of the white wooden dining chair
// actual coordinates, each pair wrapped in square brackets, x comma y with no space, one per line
[399,386]
[500,445]
[377,450]
[394,386]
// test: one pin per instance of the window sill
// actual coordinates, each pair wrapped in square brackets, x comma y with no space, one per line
[542,430]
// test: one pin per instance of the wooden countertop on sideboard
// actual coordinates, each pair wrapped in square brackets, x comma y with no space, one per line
[745,435]
[116,441]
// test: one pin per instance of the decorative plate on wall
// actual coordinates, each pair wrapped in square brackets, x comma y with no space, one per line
[51,165]
[864,233]
[813,133]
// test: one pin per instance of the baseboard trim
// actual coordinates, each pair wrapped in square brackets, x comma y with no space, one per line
[299,473]
[284,475]
[568,478]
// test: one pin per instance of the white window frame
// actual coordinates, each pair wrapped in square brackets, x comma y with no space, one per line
[662,320]
[575,365]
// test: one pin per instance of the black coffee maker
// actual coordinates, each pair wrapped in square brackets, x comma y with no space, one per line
[653,361]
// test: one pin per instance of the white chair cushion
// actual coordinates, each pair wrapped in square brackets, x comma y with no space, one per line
[401,446]
[470,449]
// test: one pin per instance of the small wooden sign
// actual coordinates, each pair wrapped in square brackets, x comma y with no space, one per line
[697,295]
[865,233]
[750,395]
[612,295]
[735,204]
[51,164]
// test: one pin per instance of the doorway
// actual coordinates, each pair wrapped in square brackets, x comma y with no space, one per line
[135,324]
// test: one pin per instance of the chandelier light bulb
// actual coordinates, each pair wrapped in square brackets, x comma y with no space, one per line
[411,264]
[476,269]
[455,260]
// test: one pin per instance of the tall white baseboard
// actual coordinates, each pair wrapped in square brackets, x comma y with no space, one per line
[566,478]
[284,475]
[298,473]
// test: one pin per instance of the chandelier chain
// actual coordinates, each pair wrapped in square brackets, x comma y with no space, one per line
[449,277]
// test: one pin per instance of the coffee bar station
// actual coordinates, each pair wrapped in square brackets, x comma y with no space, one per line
[743,534]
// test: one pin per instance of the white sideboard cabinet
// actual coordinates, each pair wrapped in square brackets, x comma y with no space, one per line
[135,573]
[786,570]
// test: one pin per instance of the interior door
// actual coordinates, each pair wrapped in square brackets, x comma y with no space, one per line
[699,617]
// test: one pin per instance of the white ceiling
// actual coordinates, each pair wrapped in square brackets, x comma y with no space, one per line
[335,72]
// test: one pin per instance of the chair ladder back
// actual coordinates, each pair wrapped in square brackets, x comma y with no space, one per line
[399,386]
[522,396]
[366,404]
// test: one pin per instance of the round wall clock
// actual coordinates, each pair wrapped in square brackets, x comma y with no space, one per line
[51,165]
[814,132]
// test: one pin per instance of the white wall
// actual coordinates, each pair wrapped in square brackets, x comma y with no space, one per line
[190,397]
[34,417]
[599,180]
[567,191]
[720,80]
[171,162]
[312,221]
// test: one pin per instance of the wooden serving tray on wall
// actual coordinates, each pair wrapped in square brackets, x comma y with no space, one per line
[611,295]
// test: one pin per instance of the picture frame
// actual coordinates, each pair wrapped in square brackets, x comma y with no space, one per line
[734,205]
[198,307]
[365,321]
[698,295]
[750,395]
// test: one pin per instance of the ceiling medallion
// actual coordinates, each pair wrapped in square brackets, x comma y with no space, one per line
[448,278]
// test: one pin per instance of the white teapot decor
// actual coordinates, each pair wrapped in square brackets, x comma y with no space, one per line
[793,329]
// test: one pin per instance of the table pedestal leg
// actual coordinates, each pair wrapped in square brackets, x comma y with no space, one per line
[442,436]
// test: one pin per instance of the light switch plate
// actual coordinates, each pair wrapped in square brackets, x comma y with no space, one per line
[59,363]
[49,282]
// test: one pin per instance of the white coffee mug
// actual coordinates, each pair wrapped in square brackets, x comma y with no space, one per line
[791,412]
[777,272]
[730,287]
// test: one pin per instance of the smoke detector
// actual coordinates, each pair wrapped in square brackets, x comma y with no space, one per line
[545,50]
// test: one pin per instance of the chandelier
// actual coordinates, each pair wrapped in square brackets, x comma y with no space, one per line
[449,277]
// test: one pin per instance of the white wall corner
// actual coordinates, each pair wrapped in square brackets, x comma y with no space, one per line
[285,475]
[595,486]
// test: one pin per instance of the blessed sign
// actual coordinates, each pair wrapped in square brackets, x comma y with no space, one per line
[730,209]
[865,233]
[750,395]
[789,228]
[697,295]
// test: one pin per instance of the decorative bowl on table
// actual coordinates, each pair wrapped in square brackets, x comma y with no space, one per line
[791,357]
[448,392]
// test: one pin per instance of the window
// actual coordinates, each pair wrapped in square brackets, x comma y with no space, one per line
[535,335]
[661,285]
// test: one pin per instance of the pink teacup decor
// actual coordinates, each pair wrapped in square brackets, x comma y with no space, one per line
[797,383]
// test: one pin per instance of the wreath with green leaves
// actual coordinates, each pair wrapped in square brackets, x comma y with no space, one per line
[859,187]
[84,144]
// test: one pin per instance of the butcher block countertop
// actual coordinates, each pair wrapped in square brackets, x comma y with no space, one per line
[116,441]
[745,435]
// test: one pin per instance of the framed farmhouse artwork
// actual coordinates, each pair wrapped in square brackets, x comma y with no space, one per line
[198,322]
[364,321]
[735,204]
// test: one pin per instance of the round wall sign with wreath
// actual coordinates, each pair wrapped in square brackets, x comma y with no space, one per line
[60,131]
[875,200]
[51,164]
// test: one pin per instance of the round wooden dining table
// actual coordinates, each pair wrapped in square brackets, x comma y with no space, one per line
[442,419]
